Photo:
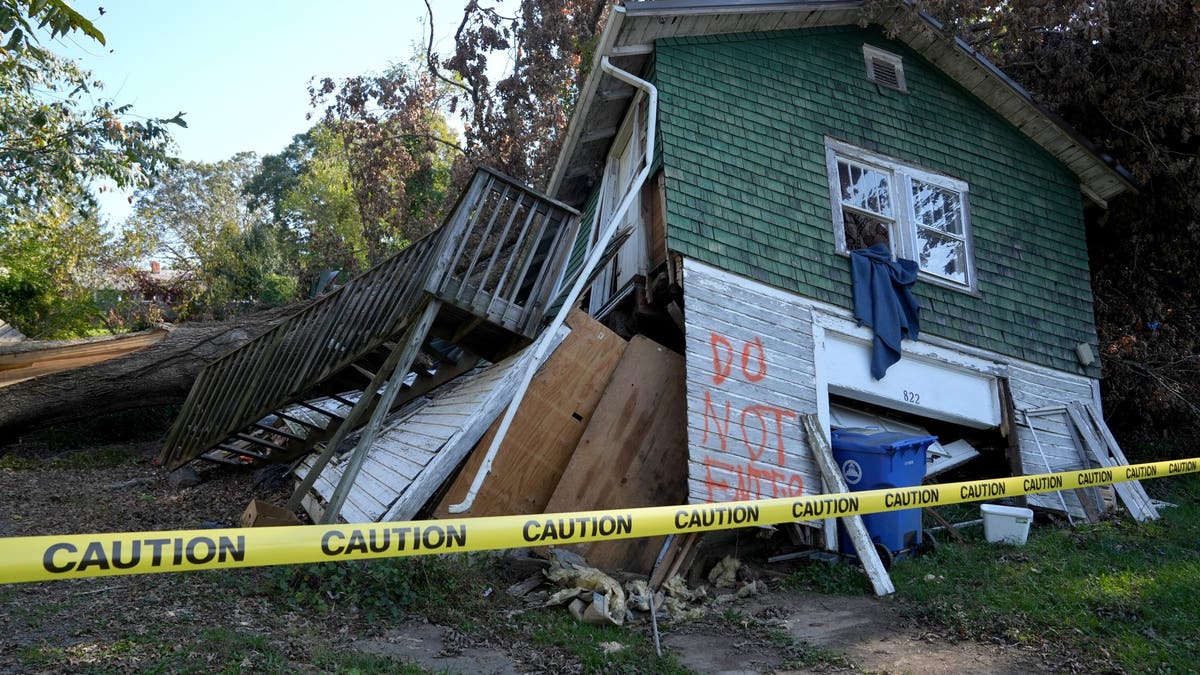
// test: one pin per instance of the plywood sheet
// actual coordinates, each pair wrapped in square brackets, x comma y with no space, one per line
[546,429]
[633,453]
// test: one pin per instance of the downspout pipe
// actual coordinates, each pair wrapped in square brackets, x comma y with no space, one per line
[593,260]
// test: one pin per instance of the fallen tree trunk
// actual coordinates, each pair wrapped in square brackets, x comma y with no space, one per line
[161,374]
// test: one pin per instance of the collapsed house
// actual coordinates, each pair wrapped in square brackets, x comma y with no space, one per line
[722,163]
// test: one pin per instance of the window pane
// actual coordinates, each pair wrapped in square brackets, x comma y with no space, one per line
[864,231]
[937,208]
[865,188]
[942,255]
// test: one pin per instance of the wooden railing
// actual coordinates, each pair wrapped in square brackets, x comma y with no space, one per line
[497,257]
[505,252]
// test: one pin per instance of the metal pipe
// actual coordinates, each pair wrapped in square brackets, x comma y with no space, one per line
[593,259]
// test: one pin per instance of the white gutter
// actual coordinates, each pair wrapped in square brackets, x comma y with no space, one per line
[585,274]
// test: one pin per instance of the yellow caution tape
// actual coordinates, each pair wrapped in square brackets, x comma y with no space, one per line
[94,555]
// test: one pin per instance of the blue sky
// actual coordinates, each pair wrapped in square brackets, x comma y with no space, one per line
[239,70]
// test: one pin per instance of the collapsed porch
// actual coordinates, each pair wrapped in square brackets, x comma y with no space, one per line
[478,286]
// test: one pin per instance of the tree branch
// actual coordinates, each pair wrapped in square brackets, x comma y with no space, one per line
[429,56]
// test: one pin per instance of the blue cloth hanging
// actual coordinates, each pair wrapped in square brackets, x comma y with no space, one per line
[884,301]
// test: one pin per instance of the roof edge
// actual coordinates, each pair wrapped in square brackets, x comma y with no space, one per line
[1101,177]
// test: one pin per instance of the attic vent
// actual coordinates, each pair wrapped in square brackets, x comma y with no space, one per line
[884,68]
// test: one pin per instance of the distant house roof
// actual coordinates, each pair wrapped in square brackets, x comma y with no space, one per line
[628,41]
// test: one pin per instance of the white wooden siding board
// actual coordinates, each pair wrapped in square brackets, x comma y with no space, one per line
[632,30]
[498,395]
[1033,396]
[405,461]
[387,475]
[392,468]
[733,309]
[428,429]
[329,478]
[447,415]
[406,446]
[368,488]
[363,507]
[794,450]
[411,453]
[1055,423]
[777,377]
[353,512]
[697,471]
[326,483]
[771,21]
[1059,449]
[697,414]
[784,348]
[410,446]
[750,318]
[417,440]
[782,343]
[440,429]
[676,27]
[1042,376]
[1131,493]
[709,25]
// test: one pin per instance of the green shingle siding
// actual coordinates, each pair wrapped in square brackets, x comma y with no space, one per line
[743,121]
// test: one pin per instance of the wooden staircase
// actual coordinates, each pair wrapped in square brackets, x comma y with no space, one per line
[478,286]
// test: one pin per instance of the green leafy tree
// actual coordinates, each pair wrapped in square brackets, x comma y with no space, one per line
[407,166]
[322,210]
[55,131]
[398,149]
[58,135]
[49,259]
[201,224]
[278,175]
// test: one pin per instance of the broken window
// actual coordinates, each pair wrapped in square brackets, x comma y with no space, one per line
[626,159]
[919,215]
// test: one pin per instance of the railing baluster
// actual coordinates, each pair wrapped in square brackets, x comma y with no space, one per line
[516,251]
[465,280]
[516,205]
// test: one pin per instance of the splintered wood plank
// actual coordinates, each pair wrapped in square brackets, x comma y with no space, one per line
[556,410]
[1104,448]
[633,452]
[21,361]
[855,527]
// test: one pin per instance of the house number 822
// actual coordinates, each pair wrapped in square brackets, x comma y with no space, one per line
[912,397]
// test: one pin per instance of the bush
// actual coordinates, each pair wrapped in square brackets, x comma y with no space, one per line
[277,289]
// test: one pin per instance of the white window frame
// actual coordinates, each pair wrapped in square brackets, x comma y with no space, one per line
[903,234]
[613,283]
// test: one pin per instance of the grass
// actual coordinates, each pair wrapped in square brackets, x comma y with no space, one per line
[450,590]
[442,588]
[211,650]
[558,629]
[1118,593]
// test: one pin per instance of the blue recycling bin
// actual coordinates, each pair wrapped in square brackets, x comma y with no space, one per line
[871,459]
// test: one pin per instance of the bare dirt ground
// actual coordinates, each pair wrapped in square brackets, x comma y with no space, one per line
[189,622]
